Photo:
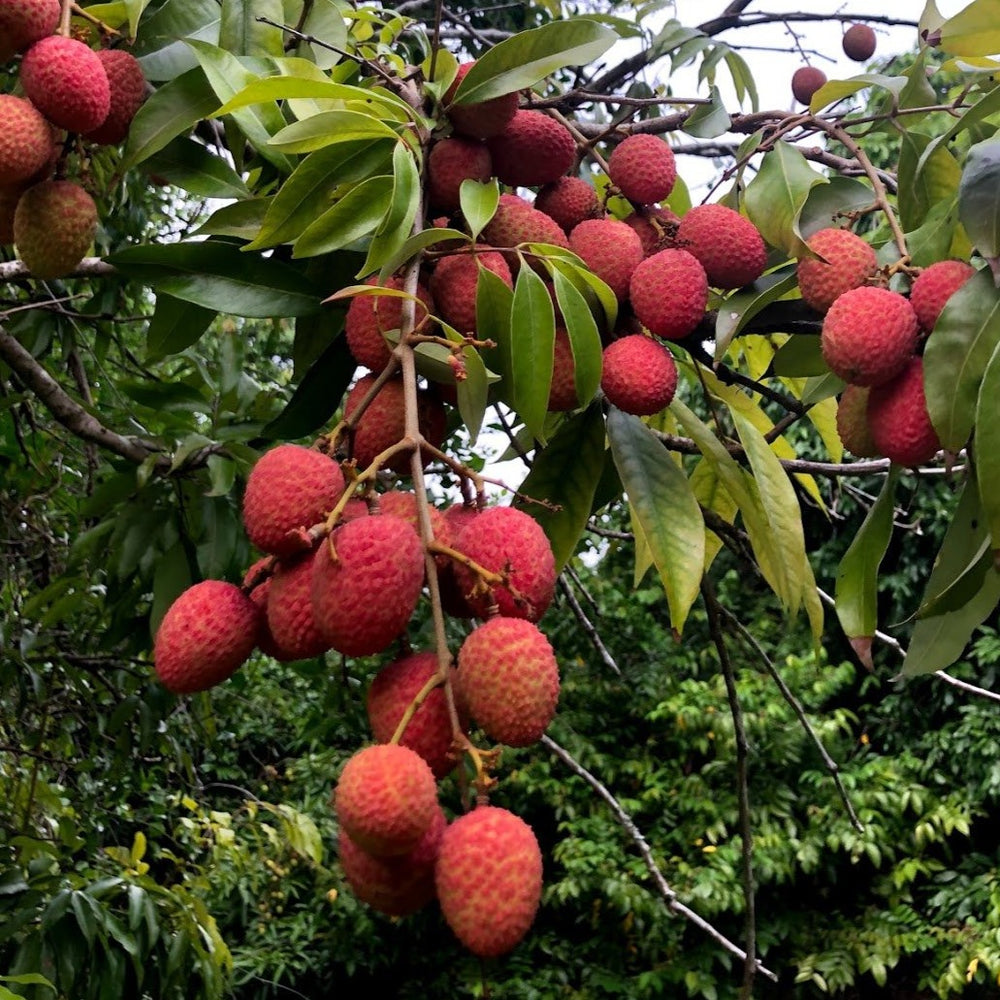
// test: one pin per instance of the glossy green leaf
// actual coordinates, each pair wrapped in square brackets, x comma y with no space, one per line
[935,182]
[243,34]
[584,337]
[826,202]
[404,202]
[417,242]
[325,22]
[160,46]
[800,356]
[741,307]
[837,90]
[194,168]
[241,219]
[175,326]
[664,504]
[354,215]
[711,495]
[473,392]
[290,88]
[708,121]
[568,264]
[987,447]
[479,203]
[170,579]
[328,128]
[494,305]
[974,31]
[979,197]
[532,335]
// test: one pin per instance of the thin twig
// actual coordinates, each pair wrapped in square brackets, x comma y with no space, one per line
[588,626]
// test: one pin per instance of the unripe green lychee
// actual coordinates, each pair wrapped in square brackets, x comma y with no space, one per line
[205,636]
[67,82]
[669,292]
[533,149]
[934,286]
[489,879]
[480,119]
[24,22]
[455,283]
[859,42]
[848,263]
[54,226]
[452,161]
[897,415]
[643,168]
[569,201]
[806,80]
[610,249]
[290,616]
[127,88]
[370,316]
[639,375]
[25,140]
[728,244]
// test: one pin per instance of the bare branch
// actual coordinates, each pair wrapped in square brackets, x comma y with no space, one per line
[89,267]
[588,626]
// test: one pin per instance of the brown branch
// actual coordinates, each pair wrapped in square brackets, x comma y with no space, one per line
[89,267]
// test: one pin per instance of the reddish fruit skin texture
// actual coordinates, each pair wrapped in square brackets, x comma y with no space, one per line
[610,249]
[509,680]
[806,80]
[24,22]
[455,282]
[516,223]
[729,246]
[643,168]
[453,600]
[934,286]
[533,149]
[849,263]
[364,595]
[869,335]
[852,422]
[428,732]
[655,228]
[669,292]
[505,538]
[290,614]
[66,81]
[25,140]
[481,119]
[403,503]
[128,88]
[489,879]
[897,415]
[369,315]
[452,161]
[386,799]
[259,595]
[569,201]
[639,375]
[396,886]
[205,636]
[562,391]
[54,225]
[859,42]
[290,489]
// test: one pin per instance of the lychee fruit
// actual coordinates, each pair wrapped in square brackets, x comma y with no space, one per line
[456,517]
[509,680]
[489,879]
[859,42]
[506,540]
[386,799]
[452,161]
[290,613]
[533,149]
[897,416]
[128,89]
[455,283]
[25,140]
[806,80]
[562,391]
[869,334]
[24,22]
[728,244]
[610,249]
[934,286]
[480,119]
[396,886]
[517,222]
[54,226]
[852,422]
[67,82]
[366,582]
[403,503]
[669,292]
[259,594]
[655,226]
[205,636]
[569,201]
[643,168]
[639,375]
[370,316]
[289,489]
[848,262]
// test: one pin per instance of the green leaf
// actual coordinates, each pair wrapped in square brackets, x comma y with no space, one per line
[242,219]
[479,203]
[494,305]
[987,448]
[221,474]
[415,243]
[532,336]
[565,474]
[352,216]
[741,307]
[707,121]
[160,46]
[290,87]
[800,356]
[664,504]
[584,337]
[175,325]
[973,31]
[404,202]
[826,203]
[528,57]
[837,90]
[936,181]
[328,128]
[979,197]
[325,22]
[242,33]
[711,495]
[193,167]
[584,280]
[473,393]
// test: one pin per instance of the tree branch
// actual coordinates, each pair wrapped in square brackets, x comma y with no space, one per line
[89,267]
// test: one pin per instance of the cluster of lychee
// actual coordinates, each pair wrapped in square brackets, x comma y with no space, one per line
[859,43]
[71,95]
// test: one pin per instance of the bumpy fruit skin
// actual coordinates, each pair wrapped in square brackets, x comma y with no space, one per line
[428,733]
[25,140]
[368,316]
[669,292]
[509,680]
[66,81]
[569,201]
[639,375]
[54,225]
[643,168]
[859,42]
[533,149]
[506,539]
[455,282]
[452,161]
[290,489]
[24,22]
[205,636]
[897,415]
[453,600]
[610,249]
[849,262]
[396,886]
[290,617]
[489,879]
[852,422]
[403,503]
[869,334]
[806,80]
[128,88]
[365,589]
[386,799]
[934,286]
[729,245]
[562,391]
[259,595]
[655,227]
[517,222]
[481,119]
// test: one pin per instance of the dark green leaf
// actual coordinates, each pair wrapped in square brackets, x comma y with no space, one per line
[979,196]
[707,121]
[193,167]
[532,336]
[354,215]
[479,203]
[583,335]
[742,306]
[175,325]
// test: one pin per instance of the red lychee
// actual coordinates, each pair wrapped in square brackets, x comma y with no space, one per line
[24,22]
[489,879]
[366,581]
[25,140]
[643,168]
[806,80]
[290,612]
[480,119]
[66,81]
[289,489]
[859,42]
[533,149]
[869,335]
[562,391]
[453,600]
[386,799]
[729,245]
[205,636]
[259,594]
[455,283]
[54,225]
[128,89]
[452,161]
[639,375]
[669,292]
[569,201]
[610,249]
[897,416]
[852,422]
[517,222]
[848,263]
[655,226]
[370,316]
[403,503]
[934,286]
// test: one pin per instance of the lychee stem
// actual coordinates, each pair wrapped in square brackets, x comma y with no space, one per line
[65,13]
[433,682]
[105,29]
